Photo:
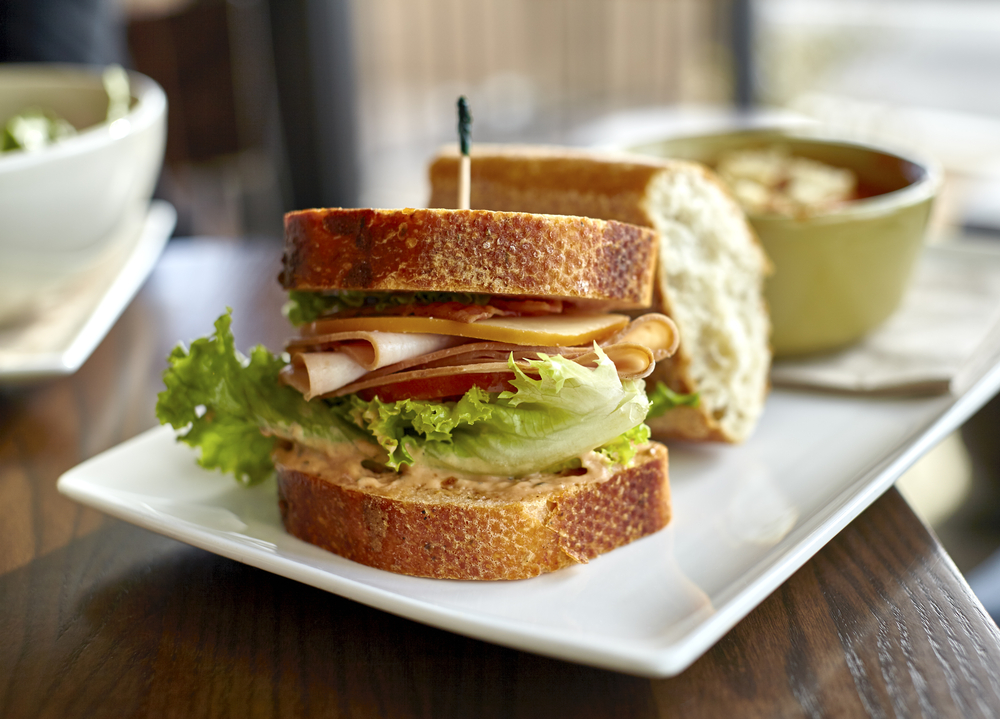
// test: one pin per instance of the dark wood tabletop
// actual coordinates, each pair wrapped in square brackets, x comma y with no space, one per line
[101,618]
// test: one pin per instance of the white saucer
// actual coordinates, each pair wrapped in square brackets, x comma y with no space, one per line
[66,328]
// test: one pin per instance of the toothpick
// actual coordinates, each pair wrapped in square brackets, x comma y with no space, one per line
[465,164]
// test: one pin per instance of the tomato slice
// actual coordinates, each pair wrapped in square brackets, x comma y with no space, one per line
[439,388]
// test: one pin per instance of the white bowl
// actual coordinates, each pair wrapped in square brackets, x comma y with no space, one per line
[60,207]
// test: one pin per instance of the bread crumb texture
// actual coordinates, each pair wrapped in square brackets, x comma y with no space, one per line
[434,533]
[711,275]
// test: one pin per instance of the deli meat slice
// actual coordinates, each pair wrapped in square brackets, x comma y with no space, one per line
[348,362]
[476,352]
[566,330]
[354,355]
[317,373]
[653,330]
[631,360]
[376,349]
[428,372]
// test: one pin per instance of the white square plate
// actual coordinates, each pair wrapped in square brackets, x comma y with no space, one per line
[746,518]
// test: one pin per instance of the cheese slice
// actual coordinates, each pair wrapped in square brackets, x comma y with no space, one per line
[563,330]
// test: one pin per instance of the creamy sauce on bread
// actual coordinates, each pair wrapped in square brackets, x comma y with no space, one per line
[345,465]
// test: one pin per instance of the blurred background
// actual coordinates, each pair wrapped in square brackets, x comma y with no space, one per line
[282,104]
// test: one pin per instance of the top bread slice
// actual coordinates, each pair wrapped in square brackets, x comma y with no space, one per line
[711,266]
[496,253]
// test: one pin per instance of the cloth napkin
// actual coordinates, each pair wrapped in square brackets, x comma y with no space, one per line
[943,337]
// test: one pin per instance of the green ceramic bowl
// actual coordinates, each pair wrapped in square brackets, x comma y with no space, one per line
[838,273]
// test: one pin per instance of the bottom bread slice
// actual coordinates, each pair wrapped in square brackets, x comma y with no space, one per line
[451,529]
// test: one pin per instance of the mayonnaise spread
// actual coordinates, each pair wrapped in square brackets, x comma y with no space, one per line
[347,465]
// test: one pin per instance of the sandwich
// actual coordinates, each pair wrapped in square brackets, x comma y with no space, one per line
[464,397]
[710,278]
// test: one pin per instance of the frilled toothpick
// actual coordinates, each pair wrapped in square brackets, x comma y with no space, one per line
[465,163]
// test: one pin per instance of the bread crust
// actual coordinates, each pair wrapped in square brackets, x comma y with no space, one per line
[434,533]
[554,180]
[498,253]
[609,186]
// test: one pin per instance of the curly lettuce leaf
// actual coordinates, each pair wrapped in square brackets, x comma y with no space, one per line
[233,407]
[303,307]
[404,425]
[221,402]
[662,399]
[543,424]
[622,449]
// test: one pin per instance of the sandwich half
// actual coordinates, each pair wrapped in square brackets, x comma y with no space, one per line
[710,278]
[464,397]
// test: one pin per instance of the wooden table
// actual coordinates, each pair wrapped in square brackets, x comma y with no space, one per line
[100,618]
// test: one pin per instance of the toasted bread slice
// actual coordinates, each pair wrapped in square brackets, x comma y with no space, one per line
[711,265]
[459,529]
[444,250]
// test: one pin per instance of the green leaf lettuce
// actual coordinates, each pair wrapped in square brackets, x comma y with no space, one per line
[566,411]
[662,399]
[222,402]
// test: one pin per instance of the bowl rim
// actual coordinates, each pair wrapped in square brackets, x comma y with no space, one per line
[149,108]
[921,190]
